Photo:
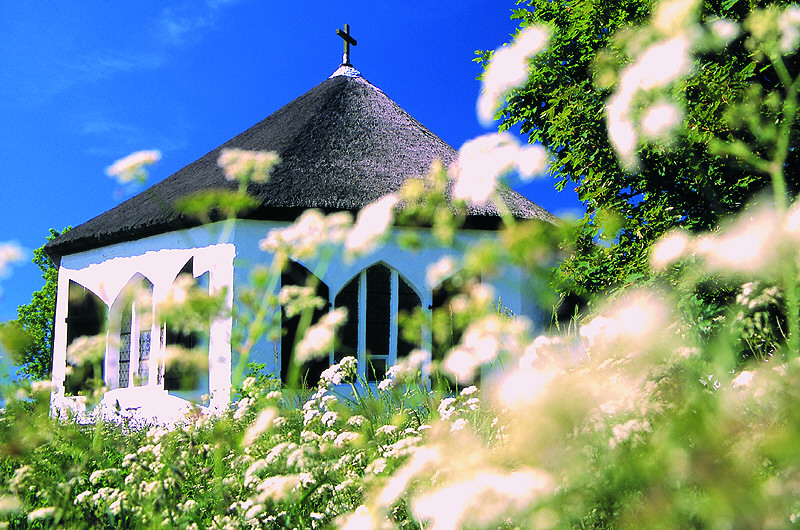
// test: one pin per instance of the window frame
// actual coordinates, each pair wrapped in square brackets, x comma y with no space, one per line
[363,358]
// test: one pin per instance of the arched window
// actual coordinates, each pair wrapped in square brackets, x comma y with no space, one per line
[445,334]
[134,307]
[373,300]
[447,330]
[296,274]
[86,317]
[184,371]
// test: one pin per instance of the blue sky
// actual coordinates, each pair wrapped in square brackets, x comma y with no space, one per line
[85,83]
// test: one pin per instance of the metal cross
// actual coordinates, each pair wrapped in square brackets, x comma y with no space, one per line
[348,40]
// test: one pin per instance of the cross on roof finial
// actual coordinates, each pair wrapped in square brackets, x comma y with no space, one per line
[348,40]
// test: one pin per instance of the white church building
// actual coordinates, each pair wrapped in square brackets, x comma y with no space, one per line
[342,145]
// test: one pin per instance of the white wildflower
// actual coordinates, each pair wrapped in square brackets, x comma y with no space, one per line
[386,430]
[674,16]
[276,488]
[306,479]
[789,25]
[344,438]
[311,232]
[371,225]
[522,388]
[329,418]
[629,431]
[743,380]
[376,467]
[10,254]
[658,66]
[262,422]
[445,408]
[508,69]
[318,339]
[466,499]
[660,120]
[439,271]
[723,29]
[487,158]
[246,166]
[340,372]
[356,421]
[86,350]
[669,248]
[458,425]
[41,513]
[132,167]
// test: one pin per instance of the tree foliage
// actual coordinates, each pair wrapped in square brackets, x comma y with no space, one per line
[35,319]
[562,107]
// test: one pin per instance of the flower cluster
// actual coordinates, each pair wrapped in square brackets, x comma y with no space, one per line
[247,166]
[508,69]
[757,243]
[484,160]
[308,236]
[133,167]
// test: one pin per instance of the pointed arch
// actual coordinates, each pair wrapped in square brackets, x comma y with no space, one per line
[183,367]
[298,275]
[86,317]
[373,299]
[130,332]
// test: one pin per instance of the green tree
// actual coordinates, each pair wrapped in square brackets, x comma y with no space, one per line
[35,319]
[562,107]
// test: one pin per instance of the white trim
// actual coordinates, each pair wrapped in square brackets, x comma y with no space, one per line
[390,357]
[361,347]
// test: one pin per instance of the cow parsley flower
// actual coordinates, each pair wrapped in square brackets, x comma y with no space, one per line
[132,167]
[247,166]
[507,69]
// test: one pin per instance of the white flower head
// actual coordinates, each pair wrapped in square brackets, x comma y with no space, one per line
[311,232]
[10,254]
[723,29]
[86,350]
[674,16]
[318,339]
[482,161]
[508,69]
[789,25]
[656,67]
[660,120]
[439,271]
[247,166]
[669,248]
[262,422]
[372,223]
[132,167]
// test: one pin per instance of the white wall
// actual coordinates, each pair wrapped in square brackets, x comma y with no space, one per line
[106,272]
[230,252]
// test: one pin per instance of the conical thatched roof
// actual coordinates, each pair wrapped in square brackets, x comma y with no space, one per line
[343,144]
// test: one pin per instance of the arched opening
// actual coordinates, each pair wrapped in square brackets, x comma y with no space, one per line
[373,300]
[447,329]
[129,365]
[184,371]
[297,275]
[86,317]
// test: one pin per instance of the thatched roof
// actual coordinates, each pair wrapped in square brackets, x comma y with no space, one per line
[342,144]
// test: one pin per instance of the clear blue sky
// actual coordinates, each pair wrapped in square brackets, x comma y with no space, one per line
[85,83]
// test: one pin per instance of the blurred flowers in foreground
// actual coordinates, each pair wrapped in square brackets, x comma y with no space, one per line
[624,418]
[133,168]
[247,166]
[11,254]
[508,69]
